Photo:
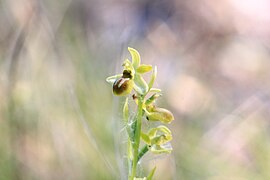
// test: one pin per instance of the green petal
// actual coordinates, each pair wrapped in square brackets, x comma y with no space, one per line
[136,60]
[155,90]
[112,79]
[144,68]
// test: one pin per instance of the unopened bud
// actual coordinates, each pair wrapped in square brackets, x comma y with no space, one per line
[159,114]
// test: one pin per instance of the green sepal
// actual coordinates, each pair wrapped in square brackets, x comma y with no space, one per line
[144,68]
[136,60]
[112,79]
[151,174]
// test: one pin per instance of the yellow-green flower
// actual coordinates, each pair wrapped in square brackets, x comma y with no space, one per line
[158,139]
[131,77]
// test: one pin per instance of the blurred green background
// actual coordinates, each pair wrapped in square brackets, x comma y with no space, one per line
[59,119]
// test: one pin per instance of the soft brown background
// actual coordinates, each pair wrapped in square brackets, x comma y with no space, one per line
[59,119]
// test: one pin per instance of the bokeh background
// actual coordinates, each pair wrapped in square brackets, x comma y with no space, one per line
[59,119]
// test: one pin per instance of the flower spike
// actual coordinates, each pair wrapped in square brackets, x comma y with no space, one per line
[157,139]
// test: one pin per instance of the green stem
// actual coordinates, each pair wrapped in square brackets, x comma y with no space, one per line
[137,138]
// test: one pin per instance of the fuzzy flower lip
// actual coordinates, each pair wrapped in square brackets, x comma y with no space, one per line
[122,86]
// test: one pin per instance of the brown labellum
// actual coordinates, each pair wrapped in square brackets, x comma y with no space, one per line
[122,86]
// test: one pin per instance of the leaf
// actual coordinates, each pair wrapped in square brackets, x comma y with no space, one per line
[136,60]
[153,77]
[144,68]
[131,131]
[112,79]
[151,174]
[126,111]
[140,85]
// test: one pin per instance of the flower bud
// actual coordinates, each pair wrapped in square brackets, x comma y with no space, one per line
[122,86]
[159,114]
